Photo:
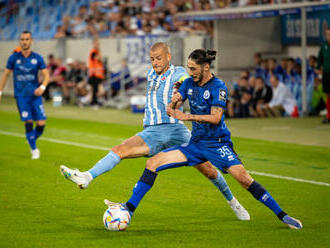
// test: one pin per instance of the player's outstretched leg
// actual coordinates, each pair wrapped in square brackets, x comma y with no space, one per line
[107,163]
[130,148]
[262,195]
[220,183]
[81,179]
[30,137]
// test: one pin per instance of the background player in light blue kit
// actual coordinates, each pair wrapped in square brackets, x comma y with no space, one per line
[210,139]
[160,130]
[27,90]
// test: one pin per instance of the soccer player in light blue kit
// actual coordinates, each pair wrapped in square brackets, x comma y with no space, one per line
[160,130]
[27,90]
[210,139]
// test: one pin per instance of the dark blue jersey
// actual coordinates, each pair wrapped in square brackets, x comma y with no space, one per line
[201,99]
[25,72]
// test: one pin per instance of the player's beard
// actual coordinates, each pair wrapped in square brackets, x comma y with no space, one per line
[198,79]
[26,47]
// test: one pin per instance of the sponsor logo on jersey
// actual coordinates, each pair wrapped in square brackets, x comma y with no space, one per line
[190,92]
[34,61]
[163,78]
[206,94]
[25,114]
[230,158]
[222,95]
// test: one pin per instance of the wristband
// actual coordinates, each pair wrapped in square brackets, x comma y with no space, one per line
[0,93]
[43,87]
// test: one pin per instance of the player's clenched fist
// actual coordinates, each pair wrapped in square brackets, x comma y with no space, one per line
[176,97]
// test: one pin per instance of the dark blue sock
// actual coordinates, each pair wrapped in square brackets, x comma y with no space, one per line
[263,196]
[30,136]
[141,188]
[39,130]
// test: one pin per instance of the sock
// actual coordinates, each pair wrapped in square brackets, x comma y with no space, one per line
[328,108]
[30,136]
[141,188]
[105,164]
[222,185]
[39,130]
[264,197]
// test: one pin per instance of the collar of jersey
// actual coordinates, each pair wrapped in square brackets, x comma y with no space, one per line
[211,79]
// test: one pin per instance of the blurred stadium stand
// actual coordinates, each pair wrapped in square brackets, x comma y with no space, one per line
[236,29]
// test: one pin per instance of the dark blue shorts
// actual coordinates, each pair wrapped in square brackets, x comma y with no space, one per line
[30,108]
[221,155]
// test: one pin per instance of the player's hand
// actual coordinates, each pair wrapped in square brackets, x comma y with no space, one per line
[39,91]
[176,98]
[170,111]
[177,114]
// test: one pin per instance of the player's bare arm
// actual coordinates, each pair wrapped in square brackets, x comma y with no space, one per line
[213,118]
[40,90]
[4,79]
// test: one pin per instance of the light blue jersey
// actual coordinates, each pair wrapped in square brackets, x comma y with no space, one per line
[159,94]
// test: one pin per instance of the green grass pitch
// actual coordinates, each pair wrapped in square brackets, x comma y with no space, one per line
[39,208]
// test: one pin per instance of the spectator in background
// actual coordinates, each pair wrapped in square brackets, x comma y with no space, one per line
[84,92]
[79,25]
[259,71]
[56,79]
[95,70]
[51,64]
[324,64]
[319,98]
[239,103]
[283,102]
[72,78]
[261,96]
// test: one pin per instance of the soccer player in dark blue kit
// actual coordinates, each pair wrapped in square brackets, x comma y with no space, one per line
[210,139]
[27,90]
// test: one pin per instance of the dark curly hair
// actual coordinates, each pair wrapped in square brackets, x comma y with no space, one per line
[202,56]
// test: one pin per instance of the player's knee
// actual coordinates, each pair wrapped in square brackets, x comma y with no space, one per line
[119,150]
[245,181]
[152,164]
[208,170]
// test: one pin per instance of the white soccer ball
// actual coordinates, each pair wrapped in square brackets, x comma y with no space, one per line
[116,218]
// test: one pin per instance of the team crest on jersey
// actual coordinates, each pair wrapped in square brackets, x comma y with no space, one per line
[25,114]
[222,95]
[18,61]
[163,78]
[190,92]
[206,94]
[34,61]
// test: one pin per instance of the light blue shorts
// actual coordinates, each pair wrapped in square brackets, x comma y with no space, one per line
[160,137]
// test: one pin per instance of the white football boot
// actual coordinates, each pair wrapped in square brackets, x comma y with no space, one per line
[238,209]
[35,154]
[82,179]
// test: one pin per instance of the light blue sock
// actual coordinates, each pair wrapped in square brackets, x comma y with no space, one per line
[222,185]
[105,164]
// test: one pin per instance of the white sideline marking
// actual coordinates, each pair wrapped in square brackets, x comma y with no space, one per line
[107,149]
[58,141]
[288,178]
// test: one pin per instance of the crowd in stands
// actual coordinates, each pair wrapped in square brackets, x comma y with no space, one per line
[274,89]
[108,18]
[70,81]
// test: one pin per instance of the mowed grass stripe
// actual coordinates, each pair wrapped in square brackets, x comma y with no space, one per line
[106,149]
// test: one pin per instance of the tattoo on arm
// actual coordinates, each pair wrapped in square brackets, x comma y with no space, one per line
[213,118]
